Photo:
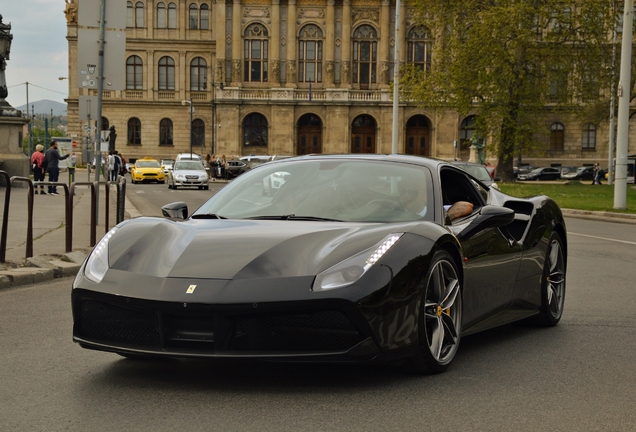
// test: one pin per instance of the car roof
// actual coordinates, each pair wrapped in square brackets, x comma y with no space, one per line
[432,163]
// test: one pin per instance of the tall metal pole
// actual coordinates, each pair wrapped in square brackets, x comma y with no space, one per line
[624,93]
[213,115]
[396,80]
[190,126]
[30,128]
[100,88]
[610,157]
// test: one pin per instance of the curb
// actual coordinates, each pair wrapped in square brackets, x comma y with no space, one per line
[600,216]
[41,269]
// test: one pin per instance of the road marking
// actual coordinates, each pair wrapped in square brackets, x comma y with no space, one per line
[603,238]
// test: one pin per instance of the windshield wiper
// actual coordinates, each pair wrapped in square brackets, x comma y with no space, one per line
[207,216]
[293,217]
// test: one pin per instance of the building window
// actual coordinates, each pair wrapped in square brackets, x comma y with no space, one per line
[194,17]
[134,131]
[589,137]
[466,132]
[419,48]
[365,55]
[166,73]
[255,131]
[130,15]
[205,17]
[198,133]
[165,132]
[139,15]
[256,38]
[557,135]
[172,16]
[134,73]
[198,74]
[310,54]
[161,15]
[105,124]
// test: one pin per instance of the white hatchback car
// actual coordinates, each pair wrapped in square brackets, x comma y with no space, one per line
[190,173]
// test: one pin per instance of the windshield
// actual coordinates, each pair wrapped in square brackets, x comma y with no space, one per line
[341,190]
[148,164]
[167,161]
[188,165]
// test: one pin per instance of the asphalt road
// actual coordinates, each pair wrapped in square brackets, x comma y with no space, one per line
[578,376]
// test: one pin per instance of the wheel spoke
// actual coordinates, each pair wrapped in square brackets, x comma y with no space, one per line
[438,283]
[451,295]
[449,326]
[554,256]
[437,337]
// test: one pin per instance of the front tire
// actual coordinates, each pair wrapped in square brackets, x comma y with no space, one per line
[440,317]
[552,284]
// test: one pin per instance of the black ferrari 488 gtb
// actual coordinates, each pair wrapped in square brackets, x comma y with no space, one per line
[352,258]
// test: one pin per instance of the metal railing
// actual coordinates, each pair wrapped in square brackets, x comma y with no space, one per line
[69,193]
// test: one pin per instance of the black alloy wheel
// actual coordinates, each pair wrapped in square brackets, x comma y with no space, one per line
[552,284]
[441,314]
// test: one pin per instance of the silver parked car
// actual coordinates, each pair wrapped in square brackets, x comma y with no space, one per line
[188,173]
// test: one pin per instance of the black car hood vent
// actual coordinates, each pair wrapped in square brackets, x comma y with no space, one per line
[238,249]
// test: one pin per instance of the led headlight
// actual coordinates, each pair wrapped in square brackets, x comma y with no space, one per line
[352,269]
[203,176]
[97,263]
[179,176]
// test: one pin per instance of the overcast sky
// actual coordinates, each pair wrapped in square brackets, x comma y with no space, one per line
[39,50]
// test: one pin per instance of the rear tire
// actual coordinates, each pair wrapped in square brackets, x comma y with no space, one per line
[440,317]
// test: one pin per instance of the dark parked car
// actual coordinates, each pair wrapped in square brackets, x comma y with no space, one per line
[545,173]
[581,173]
[352,259]
[235,169]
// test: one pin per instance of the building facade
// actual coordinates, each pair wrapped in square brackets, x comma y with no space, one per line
[286,77]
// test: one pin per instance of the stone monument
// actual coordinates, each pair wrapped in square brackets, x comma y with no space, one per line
[12,157]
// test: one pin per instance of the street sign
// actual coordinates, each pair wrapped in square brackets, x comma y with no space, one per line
[88,59]
[90,10]
[88,107]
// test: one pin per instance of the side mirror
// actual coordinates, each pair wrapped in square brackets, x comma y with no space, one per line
[489,216]
[175,211]
[496,179]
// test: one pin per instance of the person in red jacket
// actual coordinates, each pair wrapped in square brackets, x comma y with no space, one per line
[37,158]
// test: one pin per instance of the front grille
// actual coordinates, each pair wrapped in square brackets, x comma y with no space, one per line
[150,174]
[103,322]
[192,177]
[208,332]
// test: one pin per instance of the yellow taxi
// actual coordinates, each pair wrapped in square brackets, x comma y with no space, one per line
[147,169]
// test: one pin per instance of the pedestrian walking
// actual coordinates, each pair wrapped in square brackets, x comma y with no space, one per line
[597,174]
[214,165]
[223,167]
[52,160]
[37,161]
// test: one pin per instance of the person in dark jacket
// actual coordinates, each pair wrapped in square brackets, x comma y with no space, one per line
[53,158]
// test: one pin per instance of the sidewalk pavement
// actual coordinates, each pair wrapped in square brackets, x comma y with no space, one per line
[49,231]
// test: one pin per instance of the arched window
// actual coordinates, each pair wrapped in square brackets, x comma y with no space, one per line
[198,133]
[165,132]
[161,15]
[166,73]
[255,131]
[139,15]
[557,136]
[419,48]
[589,137]
[255,52]
[130,14]
[105,124]
[172,15]
[310,54]
[365,55]
[198,74]
[466,131]
[194,17]
[205,17]
[134,73]
[134,131]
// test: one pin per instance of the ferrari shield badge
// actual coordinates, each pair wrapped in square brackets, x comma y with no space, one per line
[191,289]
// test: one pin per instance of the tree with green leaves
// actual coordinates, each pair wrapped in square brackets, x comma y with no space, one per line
[512,63]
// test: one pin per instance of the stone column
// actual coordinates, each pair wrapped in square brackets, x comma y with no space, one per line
[183,19]
[274,58]
[330,43]
[236,44]
[345,64]
[149,73]
[219,67]
[291,44]
[385,48]
[180,73]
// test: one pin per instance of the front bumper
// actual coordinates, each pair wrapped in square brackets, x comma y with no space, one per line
[319,330]
[191,182]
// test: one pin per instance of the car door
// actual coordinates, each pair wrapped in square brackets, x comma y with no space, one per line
[491,256]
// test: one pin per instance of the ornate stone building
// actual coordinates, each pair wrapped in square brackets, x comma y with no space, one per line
[280,77]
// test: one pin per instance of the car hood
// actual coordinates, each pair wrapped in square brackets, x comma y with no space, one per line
[239,249]
[148,170]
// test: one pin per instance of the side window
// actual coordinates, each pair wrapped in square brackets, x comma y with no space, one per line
[457,186]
